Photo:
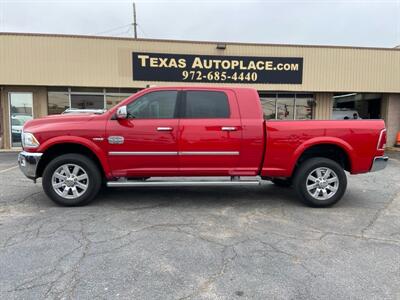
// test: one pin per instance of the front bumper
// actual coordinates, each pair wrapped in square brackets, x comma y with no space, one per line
[379,163]
[28,163]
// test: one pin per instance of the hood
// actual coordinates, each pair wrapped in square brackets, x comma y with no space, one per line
[67,119]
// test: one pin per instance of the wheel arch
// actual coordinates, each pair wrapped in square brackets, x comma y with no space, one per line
[337,150]
[62,146]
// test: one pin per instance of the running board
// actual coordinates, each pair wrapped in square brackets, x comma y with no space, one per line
[162,183]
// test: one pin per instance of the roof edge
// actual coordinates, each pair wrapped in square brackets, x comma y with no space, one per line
[191,41]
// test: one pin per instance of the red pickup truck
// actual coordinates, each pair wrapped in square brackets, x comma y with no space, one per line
[180,132]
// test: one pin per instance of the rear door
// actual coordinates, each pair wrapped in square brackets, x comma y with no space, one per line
[210,132]
[145,144]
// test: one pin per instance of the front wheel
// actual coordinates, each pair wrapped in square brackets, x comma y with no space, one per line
[320,182]
[71,180]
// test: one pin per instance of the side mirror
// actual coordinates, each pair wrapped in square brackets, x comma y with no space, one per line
[122,112]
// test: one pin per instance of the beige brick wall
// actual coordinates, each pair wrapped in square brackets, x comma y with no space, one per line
[323,106]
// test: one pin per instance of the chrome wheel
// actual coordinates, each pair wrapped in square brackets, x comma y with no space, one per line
[322,183]
[70,181]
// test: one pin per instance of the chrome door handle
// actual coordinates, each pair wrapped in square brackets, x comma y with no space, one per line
[164,128]
[229,128]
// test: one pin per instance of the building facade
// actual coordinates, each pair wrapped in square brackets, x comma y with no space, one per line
[46,74]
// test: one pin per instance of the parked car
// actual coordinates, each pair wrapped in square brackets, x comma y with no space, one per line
[345,114]
[83,111]
[196,131]
[17,123]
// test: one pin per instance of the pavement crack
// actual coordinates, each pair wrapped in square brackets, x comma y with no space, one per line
[378,214]
[207,284]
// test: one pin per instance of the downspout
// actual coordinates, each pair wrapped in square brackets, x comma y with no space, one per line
[1,119]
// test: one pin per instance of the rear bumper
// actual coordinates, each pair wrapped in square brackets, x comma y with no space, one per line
[379,163]
[28,163]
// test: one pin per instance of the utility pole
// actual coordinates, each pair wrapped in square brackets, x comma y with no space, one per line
[134,21]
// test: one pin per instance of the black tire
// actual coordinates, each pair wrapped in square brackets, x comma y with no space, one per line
[282,182]
[310,166]
[93,183]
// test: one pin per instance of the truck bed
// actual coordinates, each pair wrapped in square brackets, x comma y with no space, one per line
[287,140]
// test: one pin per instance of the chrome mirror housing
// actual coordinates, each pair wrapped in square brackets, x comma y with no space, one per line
[122,112]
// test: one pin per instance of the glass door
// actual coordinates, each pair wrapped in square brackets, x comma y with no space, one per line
[20,111]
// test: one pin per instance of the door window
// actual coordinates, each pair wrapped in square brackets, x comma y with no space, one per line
[21,110]
[155,105]
[206,104]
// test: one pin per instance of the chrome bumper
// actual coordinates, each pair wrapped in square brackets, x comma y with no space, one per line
[379,163]
[28,163]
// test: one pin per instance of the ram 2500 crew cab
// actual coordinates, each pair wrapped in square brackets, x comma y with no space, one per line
[191,132]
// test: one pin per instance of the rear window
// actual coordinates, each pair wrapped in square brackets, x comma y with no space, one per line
[206,104]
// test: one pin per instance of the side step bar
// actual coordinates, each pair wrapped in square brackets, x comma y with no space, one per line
[162,183]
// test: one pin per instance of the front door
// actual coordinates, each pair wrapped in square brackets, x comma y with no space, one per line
[21,110]
[210,133]
[145,144]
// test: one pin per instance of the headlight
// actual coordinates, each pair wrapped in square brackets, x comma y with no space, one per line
[29,140]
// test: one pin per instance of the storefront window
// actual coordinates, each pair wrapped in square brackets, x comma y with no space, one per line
[114,99]
[58,101]
[82,101]
[304,106]
[115,96]
[283,106]
[268,103]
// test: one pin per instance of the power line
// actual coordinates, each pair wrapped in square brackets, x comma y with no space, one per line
[141,29]
[112,29]
[122,33]
[134,25]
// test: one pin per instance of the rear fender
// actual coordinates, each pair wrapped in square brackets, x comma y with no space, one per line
[326,140]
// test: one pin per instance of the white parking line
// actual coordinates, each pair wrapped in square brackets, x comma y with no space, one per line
[9,169]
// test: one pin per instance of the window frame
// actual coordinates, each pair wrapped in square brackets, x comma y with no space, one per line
[177,105]
[182,109]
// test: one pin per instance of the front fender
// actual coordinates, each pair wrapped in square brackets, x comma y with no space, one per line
[94,148]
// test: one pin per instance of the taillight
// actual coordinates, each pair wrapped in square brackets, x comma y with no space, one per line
[382,140]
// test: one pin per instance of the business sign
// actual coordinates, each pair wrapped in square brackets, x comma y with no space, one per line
[212,68]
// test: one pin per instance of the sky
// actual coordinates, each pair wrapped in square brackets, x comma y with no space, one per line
[325,22]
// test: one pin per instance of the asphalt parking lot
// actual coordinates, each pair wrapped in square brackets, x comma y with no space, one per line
[200,243]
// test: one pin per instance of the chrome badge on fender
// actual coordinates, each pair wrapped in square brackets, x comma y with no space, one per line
[115,139]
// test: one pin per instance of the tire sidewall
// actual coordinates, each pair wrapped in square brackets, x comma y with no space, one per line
[301,180]
[84,162]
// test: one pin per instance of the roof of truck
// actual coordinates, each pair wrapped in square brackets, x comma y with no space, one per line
[200,87]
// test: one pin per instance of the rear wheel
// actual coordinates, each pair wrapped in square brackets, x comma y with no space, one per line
[71,180]
[320,182]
